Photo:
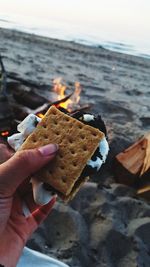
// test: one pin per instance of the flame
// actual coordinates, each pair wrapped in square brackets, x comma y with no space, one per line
[76,96]
[6,133]
[40,115]
[60,89]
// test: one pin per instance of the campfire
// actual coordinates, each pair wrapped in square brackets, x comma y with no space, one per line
[70,103]
[19,98]
[73,101]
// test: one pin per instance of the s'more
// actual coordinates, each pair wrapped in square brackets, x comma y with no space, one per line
[77,140]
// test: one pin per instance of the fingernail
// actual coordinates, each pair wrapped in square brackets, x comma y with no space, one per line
[48,149]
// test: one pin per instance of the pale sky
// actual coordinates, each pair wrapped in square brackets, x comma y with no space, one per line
[123,11]
[130,18]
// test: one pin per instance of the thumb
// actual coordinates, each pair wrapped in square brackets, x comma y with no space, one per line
[22,165]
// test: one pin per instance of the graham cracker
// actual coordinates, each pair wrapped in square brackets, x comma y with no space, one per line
[75,189]
[77,143]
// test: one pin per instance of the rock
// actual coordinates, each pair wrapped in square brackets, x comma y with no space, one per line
[63,235]
[121,190]
[140,228]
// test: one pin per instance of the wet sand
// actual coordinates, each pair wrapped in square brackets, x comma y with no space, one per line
[105,225]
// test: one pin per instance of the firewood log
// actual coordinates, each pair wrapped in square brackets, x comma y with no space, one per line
[133,162]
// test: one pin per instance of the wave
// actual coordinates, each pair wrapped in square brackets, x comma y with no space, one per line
[63,32]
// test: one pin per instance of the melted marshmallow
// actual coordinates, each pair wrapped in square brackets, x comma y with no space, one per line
[103,150]
[103,147]
[41,196]
[95,163]
[16,140]
[88,117]
[26,210]
[26,127]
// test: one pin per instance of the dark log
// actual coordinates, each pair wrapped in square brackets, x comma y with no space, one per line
[14,76]
[3,78]
[29,99]
[19,112]
[43,109]
[61,101]
[80,111]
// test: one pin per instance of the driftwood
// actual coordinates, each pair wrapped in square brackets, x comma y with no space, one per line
[133,162]
[3,78]
[15,77]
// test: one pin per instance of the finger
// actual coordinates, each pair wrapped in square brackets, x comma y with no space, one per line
[22,165]
[29,201]
[31,204]
[40,214]
[5,153]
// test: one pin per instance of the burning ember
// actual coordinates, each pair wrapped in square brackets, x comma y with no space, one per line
[40,115]
[4,134]
[60,89]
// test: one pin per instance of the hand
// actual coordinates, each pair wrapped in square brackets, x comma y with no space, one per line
[15,228]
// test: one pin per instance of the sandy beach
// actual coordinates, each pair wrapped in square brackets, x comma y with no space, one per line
[105,225]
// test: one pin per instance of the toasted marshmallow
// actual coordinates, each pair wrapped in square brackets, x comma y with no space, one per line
[103,150]
[26,210]
[16,140]
[88,117]
[95,163]
[28,125]
[41,196]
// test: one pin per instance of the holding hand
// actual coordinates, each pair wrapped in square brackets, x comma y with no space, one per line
[15,228]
